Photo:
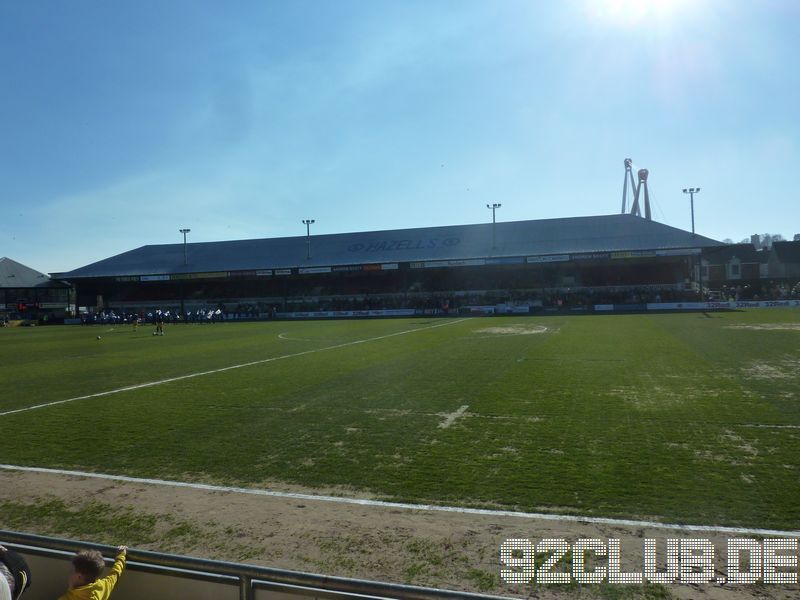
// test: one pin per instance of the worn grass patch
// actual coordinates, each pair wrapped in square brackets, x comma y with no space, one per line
[103,523]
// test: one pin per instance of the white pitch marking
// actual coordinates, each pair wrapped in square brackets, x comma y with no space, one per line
[451,417]
[765,426]
[403,505]
[248,364]
[284,336]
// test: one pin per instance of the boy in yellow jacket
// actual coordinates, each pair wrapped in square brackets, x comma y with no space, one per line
[84,582]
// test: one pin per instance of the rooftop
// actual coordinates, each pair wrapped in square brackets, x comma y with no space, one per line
[608,233]
[17,275]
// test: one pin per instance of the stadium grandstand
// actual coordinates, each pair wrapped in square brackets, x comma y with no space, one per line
[27,294]
[521,266]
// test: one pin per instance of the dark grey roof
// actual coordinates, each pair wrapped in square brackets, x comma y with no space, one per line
[16,275]
[455,242]
[745,252]
[787,251]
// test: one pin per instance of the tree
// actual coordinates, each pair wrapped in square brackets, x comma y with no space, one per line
[797,237]
[765,240]
[769,239]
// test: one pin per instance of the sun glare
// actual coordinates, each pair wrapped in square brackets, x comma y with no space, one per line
[629,13]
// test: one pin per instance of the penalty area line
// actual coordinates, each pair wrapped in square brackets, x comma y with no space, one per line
[223,369]
[406,506]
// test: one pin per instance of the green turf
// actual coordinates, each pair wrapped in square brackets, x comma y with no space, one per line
[680,417]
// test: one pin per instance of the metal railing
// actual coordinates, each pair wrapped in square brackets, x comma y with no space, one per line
[248,578]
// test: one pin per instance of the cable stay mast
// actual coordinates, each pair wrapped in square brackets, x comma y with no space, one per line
[636,190]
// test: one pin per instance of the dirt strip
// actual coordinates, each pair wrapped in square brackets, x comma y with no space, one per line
[448,550]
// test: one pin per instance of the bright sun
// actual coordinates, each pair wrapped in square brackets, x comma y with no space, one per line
[629,13]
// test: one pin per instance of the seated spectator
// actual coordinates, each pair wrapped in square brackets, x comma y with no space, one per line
[15,576]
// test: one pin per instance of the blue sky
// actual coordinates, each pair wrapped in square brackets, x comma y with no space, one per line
[121,122]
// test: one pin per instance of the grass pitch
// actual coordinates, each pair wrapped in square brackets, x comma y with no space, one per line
[692,418]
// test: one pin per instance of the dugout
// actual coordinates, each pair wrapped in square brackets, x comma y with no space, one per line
[537,261]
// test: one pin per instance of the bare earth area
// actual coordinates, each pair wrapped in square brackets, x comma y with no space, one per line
[429,548]
[767,327]
[514,330]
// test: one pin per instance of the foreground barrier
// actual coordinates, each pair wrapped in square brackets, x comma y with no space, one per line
[155,575]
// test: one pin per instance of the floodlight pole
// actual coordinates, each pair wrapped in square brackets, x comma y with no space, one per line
[692,192]
[700,275]
[307,223]
[493,208]
[185,262]
[185,258]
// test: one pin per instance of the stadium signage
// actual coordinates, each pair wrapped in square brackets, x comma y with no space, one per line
[632,254]
[548,259]
[773,303]
[699,305]
[591,256]
[155,278]
[508,260]
[330,314]
[389,267]
[394,245]
[283,271]
[263,272]
[349,268]
[208,275]
[312,270]
[470,262]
